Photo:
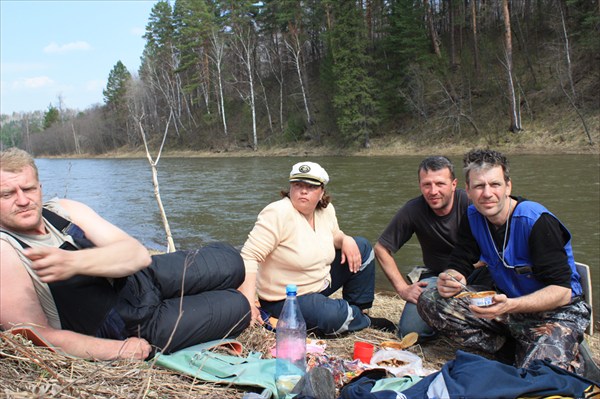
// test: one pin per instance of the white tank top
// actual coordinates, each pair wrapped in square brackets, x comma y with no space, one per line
[54,238]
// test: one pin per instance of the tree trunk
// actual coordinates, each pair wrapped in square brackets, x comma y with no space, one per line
[435,43]
[246,58]
[222,100]
[25,128]
[451,22]
[266,100]
[475,41]
[205,81]
[253,107]
[515,117]
[218,47]
[568,56]
[275,64]
[76,140]
[573,97]
[369,21]
[296,54]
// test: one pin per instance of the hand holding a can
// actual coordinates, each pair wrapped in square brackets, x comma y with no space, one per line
[498,305]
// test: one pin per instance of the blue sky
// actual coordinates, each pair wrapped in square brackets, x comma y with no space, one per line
[66,48]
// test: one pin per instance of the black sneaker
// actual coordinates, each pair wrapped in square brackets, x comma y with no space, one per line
[383,324]
[318,383]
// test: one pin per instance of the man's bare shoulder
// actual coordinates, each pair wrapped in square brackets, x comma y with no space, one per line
[65,207]
[79,212]
[70,205]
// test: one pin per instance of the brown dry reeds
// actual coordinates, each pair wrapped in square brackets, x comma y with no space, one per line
[27,371]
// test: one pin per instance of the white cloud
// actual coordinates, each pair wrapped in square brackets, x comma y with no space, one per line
[32,83]
[54,48]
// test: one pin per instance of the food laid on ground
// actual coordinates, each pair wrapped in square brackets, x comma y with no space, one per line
[392,363]
[407,341]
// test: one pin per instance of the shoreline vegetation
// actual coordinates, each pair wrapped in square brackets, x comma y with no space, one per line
[556,132]
[379,147]
[28,371]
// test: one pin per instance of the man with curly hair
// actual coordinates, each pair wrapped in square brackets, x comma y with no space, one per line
[538,303]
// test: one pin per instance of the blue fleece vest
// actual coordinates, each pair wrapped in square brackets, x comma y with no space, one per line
[515,277]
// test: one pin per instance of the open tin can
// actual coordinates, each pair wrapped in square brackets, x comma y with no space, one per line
[483,298]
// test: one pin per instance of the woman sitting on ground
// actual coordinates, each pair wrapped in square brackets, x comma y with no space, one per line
[297,240]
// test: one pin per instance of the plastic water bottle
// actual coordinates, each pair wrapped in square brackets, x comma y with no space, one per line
[290,332]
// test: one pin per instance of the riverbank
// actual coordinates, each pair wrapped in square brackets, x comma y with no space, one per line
[544,139]
[378,148]
[27,371]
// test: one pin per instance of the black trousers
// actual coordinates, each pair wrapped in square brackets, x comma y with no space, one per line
[188,297]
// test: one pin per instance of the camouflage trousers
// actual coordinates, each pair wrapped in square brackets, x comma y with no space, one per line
[553,335]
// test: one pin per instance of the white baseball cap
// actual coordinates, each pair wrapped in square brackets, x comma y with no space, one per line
[309,172]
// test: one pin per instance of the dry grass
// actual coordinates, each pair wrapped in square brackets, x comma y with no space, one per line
[27,371]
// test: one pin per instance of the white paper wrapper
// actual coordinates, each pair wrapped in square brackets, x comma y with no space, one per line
[407,363]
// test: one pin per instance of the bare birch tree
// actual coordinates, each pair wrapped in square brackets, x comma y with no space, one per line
[217,55]
[515,113]
[244,44]
[166,86]
[295,49]
[160,60]
[572,97]
[567,55]
[274,62]
[266,100]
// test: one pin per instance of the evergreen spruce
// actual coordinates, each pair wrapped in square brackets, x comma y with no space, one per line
[353,98]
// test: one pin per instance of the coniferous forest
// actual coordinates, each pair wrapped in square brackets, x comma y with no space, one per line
[223,75]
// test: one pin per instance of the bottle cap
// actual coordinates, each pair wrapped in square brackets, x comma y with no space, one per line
[291,289]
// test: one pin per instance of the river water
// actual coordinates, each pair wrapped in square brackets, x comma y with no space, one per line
[218,199]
